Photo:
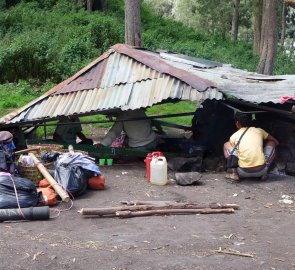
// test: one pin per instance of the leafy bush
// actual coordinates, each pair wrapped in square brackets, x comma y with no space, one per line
[52,39]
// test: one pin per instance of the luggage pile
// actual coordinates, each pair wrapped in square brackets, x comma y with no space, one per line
[34,178]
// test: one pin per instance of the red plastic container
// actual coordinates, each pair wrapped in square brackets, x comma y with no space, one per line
[148,160]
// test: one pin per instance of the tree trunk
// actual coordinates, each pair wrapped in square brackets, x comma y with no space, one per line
[269,32]
[90,5]
[235,20]
[257,26]
[132,23]
[283,31]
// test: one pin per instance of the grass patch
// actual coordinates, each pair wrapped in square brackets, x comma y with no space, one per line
[174,108]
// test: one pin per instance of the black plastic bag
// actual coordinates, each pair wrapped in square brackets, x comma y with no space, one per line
[232,161]
[71,178]
[49,157]
[3,163]
[26,192]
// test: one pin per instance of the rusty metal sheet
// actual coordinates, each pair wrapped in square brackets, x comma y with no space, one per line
[161,66]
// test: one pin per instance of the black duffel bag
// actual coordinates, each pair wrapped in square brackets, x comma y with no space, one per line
[26,192]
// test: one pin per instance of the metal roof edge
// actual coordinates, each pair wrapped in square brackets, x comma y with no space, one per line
[13,114]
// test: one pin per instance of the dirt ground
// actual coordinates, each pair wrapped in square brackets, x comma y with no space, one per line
[263,227]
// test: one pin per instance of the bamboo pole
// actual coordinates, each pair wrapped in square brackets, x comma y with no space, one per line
[59,190]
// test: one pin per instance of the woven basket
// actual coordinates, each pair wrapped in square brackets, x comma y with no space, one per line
[32,172]
[45,148]
[75,151]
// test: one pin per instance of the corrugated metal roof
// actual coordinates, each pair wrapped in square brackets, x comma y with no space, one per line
[124,96]
[130,78]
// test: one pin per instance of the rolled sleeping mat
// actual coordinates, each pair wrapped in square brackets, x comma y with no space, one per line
[30,213]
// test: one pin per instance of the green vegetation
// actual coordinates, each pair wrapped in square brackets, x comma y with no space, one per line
[44,42]
[173,108]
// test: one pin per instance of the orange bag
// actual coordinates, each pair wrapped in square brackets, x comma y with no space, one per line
[96,182]
[44,183]
[49,195]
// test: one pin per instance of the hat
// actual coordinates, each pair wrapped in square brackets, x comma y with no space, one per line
[5,137]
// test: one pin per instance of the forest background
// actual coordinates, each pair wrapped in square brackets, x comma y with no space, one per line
[43,42]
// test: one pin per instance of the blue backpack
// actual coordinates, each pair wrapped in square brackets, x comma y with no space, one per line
[6,151]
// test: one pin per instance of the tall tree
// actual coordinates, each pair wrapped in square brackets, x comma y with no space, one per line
[90,5]
[283,30]
[269,33]
[133,23]
[257,25]
[235,20]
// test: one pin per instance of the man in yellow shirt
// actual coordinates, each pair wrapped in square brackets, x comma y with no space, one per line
[256,150]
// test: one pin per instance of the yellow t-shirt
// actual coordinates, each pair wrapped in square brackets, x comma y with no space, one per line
[250,149]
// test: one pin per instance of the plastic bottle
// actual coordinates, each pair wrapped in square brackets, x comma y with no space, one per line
[159,171]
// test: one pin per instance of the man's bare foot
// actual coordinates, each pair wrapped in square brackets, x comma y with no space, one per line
[232,176]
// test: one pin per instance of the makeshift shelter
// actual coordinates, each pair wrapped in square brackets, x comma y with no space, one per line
[129,78]
[126,78]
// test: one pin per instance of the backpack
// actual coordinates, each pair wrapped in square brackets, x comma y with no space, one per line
[6,153]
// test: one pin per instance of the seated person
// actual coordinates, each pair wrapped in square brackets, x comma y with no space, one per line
[69,132]
[139,133]
[256,150]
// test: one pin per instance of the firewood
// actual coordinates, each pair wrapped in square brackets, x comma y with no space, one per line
[173,204]
[111,210]
[127,214]
[178,206]
[147,211]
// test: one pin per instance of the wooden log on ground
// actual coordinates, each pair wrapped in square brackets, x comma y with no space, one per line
[173,204]
[148,211]
[113,210]
[128,214]
[59,190]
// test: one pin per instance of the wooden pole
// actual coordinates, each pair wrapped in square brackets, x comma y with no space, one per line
[111,210]
[182,209]
[173,204]
[59,190]
[27,150]
[127,214]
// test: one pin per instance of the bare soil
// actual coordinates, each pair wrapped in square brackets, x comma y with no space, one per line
[263,227]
